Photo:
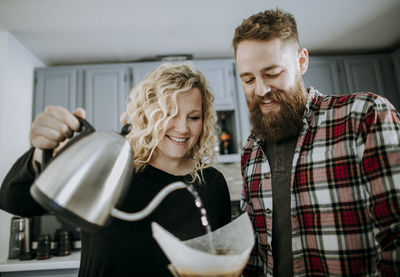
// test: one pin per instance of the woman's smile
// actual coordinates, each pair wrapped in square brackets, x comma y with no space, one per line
[177,139]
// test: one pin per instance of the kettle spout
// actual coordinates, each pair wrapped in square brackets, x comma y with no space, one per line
[151,206]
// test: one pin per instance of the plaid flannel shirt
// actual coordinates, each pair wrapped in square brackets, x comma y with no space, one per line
[345,190]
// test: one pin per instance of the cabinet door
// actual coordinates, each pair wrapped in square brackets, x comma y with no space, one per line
[243,110]
[364,75]
[105,96]
[324,75]
[220,77]
[372,73]
[55,86]
[396,63]
[141,70]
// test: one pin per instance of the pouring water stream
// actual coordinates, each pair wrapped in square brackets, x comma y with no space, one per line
[157,200]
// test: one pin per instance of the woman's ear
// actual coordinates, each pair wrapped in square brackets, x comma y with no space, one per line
[303,60]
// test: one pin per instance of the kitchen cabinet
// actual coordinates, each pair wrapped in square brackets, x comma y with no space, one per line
[364,74]
[219,74]
[353,73]
[105,93]
[103,89]
[396,64]
[326,74]
[55,86]
[372,73]
[100,90]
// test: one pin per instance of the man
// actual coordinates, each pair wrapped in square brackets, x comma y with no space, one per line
[321,173]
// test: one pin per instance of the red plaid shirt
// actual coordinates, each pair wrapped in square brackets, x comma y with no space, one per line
[345,190]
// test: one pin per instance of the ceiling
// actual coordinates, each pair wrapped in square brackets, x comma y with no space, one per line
[94,31]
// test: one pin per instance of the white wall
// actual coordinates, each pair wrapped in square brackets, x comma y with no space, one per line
[16,93]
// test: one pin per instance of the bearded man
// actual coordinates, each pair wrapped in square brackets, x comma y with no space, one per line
[321,173]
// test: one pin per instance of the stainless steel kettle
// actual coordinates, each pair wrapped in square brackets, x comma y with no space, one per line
[88,177]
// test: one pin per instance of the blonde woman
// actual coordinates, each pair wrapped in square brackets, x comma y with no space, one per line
[172,137]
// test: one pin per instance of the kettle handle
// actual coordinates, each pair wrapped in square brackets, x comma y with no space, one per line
[86,129]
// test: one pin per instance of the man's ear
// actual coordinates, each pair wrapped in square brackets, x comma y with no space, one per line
[303,60]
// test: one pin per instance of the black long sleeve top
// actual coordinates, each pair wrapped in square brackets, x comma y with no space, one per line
[128,248]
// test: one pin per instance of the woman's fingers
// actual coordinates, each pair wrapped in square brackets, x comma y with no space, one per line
[53,126]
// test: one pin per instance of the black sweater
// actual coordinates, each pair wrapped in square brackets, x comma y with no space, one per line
[128,248]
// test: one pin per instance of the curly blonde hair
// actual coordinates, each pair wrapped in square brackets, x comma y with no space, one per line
[153,102]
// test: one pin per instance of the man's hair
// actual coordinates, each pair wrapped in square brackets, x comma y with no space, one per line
[267,25]
[153,103]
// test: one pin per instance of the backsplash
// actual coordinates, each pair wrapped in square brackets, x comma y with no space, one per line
[231,172]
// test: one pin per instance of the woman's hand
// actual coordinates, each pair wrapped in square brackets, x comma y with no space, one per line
[51,127]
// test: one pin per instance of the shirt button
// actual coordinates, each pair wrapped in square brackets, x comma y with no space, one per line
[267,175]
[268,211]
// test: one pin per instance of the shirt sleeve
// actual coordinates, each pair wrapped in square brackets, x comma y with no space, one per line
[381,173]
[15,197]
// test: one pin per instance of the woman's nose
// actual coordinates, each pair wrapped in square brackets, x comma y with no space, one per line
[181,125]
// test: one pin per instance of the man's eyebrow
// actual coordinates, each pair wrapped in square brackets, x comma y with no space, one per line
[262,70]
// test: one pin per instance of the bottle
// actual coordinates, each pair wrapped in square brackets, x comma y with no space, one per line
[43,250]
[64,243]
[224,137]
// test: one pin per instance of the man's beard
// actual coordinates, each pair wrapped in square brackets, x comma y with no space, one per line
[279,126]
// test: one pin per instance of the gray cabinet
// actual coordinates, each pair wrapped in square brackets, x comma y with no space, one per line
[364,74]
[105,94]
[140,70]
[103,89]
[220,77]
[55,86]
[100,90]
[396,69]
[372,73]
[326,74]
[219,74]
[355,73]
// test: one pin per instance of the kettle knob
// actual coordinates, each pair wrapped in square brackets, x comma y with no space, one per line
[126,129]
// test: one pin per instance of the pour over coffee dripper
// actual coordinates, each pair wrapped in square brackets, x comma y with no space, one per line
[232,242]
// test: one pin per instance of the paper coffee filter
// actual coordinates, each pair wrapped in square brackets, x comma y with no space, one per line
[237,238]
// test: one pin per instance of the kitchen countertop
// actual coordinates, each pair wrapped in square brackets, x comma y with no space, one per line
[55,262]
[233,177]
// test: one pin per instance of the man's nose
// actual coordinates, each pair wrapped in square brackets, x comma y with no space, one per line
[262,88]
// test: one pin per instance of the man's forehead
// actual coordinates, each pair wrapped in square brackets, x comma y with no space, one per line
[263,54]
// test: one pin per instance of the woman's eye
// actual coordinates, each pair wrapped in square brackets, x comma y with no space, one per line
[194,117]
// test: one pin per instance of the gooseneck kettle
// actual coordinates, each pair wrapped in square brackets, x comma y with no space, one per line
[88,177]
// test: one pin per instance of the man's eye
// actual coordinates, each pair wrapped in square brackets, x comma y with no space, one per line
[248,81]
[273,75]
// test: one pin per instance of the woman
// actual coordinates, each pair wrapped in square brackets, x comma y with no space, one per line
[172,139]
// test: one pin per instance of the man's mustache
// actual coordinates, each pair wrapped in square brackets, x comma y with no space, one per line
[273,96]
